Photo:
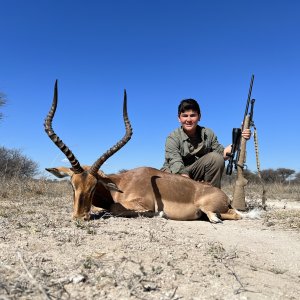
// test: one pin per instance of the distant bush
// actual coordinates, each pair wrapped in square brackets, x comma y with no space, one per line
[280,175]
[14,164]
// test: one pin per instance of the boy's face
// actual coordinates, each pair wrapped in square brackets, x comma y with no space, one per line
[189,120]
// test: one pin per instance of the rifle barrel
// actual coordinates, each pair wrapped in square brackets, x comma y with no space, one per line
[251,111]
[249,96]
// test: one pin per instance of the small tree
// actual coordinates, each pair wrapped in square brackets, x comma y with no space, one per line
[14,164]
[269,175]
[284,173]
[297,178]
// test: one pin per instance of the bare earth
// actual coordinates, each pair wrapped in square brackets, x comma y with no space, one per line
[46,255]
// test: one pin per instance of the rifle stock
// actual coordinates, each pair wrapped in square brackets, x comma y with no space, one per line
[238,201]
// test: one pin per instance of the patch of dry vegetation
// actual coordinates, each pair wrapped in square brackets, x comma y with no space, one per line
[286,219]
[46,255]
[274,191]
[19,188]
[283,191]
[283,218]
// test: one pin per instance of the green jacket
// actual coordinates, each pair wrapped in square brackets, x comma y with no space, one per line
[182,151]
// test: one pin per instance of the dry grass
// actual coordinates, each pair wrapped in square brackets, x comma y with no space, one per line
[284,191]
[17,188]
[286,219]
[26,189]
[277,191]
[46,255]
[26,197]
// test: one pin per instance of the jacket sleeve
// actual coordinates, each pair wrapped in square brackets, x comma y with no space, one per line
[173,156]
[215,145]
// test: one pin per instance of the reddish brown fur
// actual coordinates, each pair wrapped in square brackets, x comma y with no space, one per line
[149,191]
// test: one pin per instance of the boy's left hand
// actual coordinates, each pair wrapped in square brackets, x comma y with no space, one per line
[246,134]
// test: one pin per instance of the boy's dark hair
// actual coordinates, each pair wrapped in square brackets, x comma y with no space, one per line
[188,104]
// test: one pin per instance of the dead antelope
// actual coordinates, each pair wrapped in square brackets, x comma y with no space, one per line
[142,190]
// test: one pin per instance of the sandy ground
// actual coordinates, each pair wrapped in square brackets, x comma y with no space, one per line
[46,255]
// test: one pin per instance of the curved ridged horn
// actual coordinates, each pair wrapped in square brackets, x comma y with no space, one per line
[100,161]
[56,140]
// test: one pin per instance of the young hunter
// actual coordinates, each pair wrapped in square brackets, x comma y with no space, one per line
[193,151]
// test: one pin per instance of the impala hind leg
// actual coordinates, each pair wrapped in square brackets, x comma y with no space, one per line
[213,217]
[231,214]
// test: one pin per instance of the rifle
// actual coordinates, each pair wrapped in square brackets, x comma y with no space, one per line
[239,147]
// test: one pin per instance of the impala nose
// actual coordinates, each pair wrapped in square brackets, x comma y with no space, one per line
[86,217]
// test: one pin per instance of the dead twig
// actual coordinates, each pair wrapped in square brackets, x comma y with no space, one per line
[33,280]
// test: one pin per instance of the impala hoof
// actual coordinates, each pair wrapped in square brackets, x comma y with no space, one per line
[86,217]
[213,218]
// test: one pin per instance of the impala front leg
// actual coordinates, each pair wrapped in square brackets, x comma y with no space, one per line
[97,210]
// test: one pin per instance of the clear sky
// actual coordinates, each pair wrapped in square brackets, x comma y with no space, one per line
[161,52]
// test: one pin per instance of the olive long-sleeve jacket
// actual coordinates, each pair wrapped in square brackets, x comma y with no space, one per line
[182,151]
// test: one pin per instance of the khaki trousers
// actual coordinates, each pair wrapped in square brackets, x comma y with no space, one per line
[208,168]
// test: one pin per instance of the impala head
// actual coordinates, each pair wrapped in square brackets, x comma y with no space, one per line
[84,185]
[84,181]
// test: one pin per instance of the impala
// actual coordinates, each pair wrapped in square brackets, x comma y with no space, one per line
[143,190]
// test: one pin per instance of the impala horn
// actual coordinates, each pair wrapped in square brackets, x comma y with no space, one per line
[100,161]
[56,140]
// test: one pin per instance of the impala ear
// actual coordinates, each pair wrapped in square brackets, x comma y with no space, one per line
[110,186]
[60,172]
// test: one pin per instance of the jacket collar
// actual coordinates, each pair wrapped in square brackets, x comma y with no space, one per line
[185,137]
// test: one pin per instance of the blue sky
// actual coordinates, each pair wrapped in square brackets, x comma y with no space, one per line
[161,52]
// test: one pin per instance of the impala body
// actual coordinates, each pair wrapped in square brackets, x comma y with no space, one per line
[143,190]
